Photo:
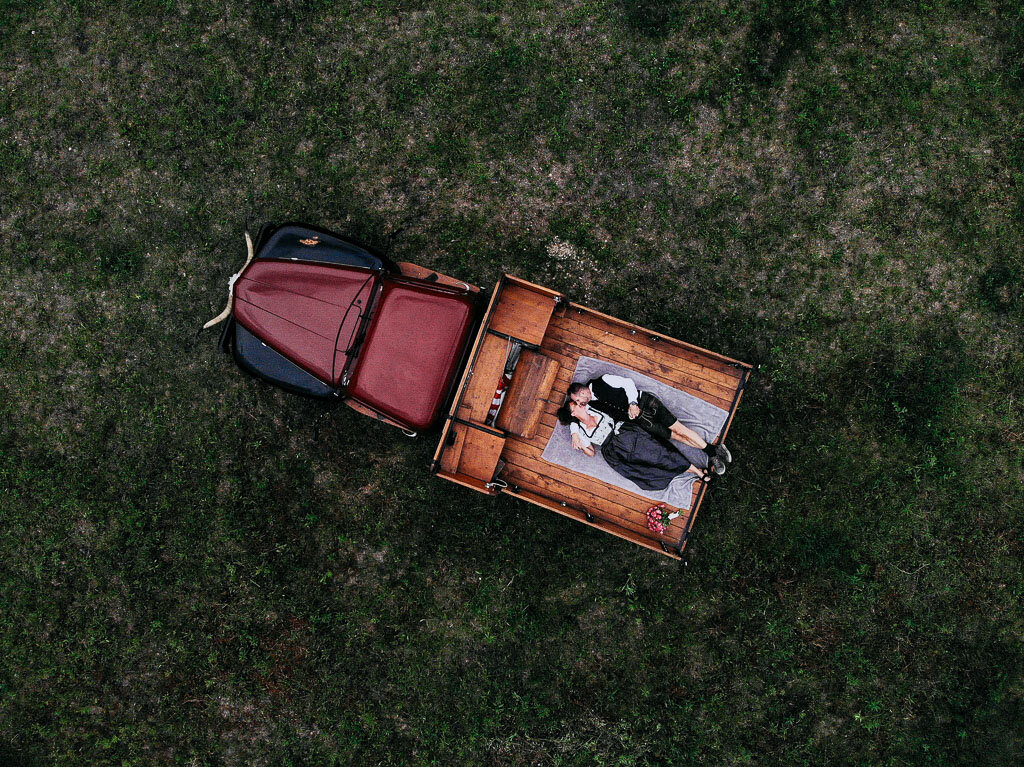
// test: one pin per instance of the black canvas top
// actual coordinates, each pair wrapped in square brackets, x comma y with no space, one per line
[260,360]
[306,243]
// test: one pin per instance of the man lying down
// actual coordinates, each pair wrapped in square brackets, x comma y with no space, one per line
[634,430]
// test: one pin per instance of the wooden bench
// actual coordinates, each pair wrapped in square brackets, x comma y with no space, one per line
[527,394]
[474,451]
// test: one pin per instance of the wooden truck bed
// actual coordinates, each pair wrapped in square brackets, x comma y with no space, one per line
[555,334]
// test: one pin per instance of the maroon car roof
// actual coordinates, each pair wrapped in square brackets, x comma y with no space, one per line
[411,351]
[299,310]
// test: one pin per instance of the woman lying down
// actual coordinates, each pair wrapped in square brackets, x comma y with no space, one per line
[629,449]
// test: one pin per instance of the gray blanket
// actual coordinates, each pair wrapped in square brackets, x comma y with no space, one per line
[703,417]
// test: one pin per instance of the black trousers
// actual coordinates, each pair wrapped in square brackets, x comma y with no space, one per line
[654,418]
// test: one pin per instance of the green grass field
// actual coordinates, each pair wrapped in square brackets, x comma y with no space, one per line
[198,570]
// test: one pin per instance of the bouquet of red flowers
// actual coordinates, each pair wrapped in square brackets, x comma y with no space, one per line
[658,518]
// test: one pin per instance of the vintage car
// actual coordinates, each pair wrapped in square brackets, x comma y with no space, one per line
[318,315]
[325,317]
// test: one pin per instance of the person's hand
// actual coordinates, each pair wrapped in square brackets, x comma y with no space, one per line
[589,450]
[577,443]
[634,411]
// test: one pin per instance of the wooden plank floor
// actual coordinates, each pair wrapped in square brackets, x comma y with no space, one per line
[571,334]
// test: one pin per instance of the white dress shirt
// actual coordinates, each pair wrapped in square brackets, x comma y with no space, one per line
[605,426]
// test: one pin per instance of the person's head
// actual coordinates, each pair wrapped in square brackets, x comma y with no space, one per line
[580,393]
[579,412]
[564,413]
